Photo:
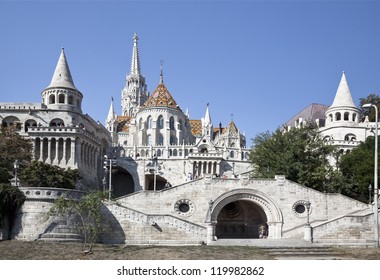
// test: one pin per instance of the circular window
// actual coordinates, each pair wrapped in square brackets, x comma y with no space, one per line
[184,207]
[299,208]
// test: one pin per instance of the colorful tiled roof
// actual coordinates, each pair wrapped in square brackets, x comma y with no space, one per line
[196,127]
[123,123]
[161,97]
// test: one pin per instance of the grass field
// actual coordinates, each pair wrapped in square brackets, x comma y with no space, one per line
[22,250]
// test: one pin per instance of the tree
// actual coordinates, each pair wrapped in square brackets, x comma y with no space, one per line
[11,199]
[372,99]
[88,209]
[39,174]
[299,154]
[357,168]
[12,147]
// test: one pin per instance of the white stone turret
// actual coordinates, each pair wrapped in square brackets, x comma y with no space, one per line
[135,93]
[111,122]
[207,127]
[61,93]
[343,108]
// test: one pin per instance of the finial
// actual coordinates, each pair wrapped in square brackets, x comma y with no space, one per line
[232,117]
[161,74]
[207,104]
[135,37]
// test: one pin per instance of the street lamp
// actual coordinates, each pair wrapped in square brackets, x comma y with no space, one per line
[307,204]
[154,163]
[108,163]
[375,190]
[16,166]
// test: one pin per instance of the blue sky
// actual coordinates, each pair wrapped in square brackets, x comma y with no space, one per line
[262,61]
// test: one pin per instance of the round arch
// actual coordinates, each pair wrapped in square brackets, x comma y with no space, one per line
[264,207]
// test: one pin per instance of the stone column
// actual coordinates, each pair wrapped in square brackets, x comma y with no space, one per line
[210,228]
[49,151]
[308,233]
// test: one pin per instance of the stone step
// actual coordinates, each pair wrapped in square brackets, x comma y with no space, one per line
[54,236]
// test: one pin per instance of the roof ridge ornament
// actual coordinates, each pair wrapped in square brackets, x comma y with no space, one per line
[161,72]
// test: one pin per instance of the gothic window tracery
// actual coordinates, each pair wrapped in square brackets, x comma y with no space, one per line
[171,123]
[160,122]
[150,122]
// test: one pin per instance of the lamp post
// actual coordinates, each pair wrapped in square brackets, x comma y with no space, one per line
[375,187]
[16,166]
[154,163]
[307,204]
[108,163]
[308,235]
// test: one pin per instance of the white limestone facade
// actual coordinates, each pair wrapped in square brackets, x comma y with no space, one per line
[342,124]
[176,180]
[61,134]
[155,142]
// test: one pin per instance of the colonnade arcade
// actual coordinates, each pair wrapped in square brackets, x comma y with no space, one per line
[66,152]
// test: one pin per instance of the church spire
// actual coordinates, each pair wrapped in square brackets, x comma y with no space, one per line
[135,65]
[343,96]
[62,76]
[135,92]
[111,114]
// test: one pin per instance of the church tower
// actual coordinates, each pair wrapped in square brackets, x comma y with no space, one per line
[135,93]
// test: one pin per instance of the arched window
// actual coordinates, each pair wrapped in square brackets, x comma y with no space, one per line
[180,125]
[354,117]
[232,154]
[52,99]
[160,139]
[338,116]
[149,122]
[141,123]
[160,122]
[30,123]
[61,98]
[346,116]
[171,123]
[71,100]
[11,121]
[331,117]
[57,122]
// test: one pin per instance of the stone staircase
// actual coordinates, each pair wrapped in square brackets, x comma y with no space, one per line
[177,231]
[302,253]
[60,231]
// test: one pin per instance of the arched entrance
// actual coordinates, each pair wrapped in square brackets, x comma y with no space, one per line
[122,183]
[160,182]
[243,213]
[241,219]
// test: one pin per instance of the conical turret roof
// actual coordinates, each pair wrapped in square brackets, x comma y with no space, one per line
[161,97]
[343,96]
[62,76]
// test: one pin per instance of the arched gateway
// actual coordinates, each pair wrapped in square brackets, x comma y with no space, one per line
[244,213]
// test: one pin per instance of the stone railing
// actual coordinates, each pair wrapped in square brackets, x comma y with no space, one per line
[32,193]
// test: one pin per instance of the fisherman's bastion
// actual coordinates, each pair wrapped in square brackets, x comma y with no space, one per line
[176,180]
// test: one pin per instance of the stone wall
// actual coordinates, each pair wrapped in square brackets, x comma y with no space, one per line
[32,219]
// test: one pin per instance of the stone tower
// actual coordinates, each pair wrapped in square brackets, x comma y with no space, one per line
[135,93]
